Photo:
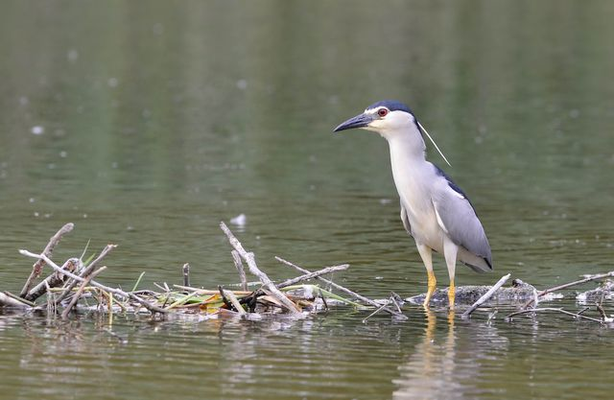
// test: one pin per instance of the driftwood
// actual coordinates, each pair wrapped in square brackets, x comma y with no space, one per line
[239,266]
[11,302]
[37,268]
[486,296]
[253,268]
[54,280]
[86,272]
[570,284]
[186,274]
[345,290]
[144,303]
[77,295]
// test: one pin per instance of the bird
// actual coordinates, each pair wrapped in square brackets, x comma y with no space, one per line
[434,210]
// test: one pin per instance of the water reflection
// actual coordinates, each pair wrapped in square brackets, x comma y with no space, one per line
[443,365]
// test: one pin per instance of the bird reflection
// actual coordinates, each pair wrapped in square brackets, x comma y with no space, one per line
[437,369]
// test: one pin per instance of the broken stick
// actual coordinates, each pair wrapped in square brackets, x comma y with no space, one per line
[147,305]
[37,268]
[253,268]
[77,295]
[345,290]
[239,266]
[86,272]
[486,296]
[570,284]
[54,280]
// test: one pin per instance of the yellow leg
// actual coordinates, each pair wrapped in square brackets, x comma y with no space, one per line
[432,284]
[451,294]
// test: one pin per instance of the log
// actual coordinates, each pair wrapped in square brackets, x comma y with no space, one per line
[486,296]
[54,280]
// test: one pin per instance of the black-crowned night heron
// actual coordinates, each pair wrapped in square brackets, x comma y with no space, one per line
[434,210]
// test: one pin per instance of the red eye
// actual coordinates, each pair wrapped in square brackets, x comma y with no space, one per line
[382,112]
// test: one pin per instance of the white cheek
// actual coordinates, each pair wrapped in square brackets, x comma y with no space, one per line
[378,124]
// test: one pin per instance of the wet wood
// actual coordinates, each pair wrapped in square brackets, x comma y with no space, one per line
[345,290]
[79,292]
[253,268]
[86,272]
[37,268]
[56,279]
[550,309]
[10,302]
[486,296]
[239,266]
[570,284]
[144,303]
[186,274]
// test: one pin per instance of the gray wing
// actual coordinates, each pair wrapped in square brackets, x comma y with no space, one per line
[458,219]
[405,219]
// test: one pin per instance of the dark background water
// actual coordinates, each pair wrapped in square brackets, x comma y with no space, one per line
[146,123]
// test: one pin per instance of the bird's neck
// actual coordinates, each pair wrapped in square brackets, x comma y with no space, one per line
[406,148]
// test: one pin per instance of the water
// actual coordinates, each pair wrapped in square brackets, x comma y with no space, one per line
[147,124]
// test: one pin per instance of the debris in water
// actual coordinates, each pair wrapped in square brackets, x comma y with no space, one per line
[240,220]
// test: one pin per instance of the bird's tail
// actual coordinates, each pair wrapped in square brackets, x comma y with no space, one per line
[476,263]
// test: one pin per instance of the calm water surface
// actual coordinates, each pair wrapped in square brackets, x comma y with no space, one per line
[146,124]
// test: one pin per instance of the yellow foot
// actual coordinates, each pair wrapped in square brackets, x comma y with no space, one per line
[432,284]
[451,294]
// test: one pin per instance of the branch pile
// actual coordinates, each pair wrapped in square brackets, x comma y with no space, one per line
[72,287]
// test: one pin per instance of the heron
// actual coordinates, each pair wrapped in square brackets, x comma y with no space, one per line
[434,210]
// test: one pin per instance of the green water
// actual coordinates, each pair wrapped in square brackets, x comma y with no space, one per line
[146,123]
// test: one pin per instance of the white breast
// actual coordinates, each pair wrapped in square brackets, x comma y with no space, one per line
[411,177]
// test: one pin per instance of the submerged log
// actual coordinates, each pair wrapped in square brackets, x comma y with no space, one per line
[11,302]
[517,294]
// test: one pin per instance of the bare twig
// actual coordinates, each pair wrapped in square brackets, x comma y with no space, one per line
[486,296]
[119,292]
[321,295]
[210,291]
[186,274]
[604,316]
[582,311]
[87,271]
[345,290]
[82,287]
[312,275]
[37,268]
[373,313]
[50,304]
[239,266]
[570,284]
[233,300]
[558,310]
[253,268]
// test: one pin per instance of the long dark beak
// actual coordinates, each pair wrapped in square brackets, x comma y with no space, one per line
[359,121]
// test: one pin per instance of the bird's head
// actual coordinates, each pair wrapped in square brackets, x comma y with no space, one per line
[384,117]
[392,120]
